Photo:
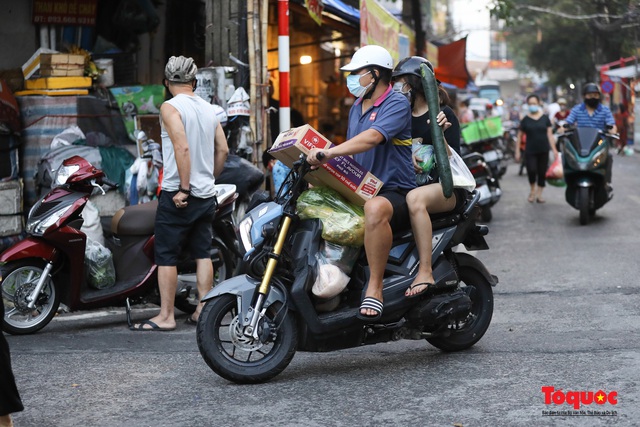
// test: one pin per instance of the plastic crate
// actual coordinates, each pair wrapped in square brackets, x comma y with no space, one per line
[482,129]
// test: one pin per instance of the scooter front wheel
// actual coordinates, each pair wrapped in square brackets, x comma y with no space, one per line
[240,358]
[583,204]
[19,279]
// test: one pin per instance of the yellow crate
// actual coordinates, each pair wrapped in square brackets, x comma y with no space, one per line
[58,83]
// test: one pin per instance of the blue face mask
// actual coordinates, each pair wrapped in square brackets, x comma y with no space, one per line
[353,84]
[534,109]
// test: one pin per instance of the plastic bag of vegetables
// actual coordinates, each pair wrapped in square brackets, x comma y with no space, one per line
[342,222]
[99,267]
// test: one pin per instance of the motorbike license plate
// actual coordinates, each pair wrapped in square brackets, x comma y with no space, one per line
[490,156]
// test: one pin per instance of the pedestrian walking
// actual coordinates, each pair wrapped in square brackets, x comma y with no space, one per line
[194,149]
[536,126]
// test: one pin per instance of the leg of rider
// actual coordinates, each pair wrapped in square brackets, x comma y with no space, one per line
[421,202]
[378,238]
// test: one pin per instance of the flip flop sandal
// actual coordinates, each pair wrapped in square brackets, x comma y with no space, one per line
[427,289]
[154,327]
[372,304]
[531,198]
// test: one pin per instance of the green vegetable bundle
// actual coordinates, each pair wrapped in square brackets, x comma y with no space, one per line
[342,222]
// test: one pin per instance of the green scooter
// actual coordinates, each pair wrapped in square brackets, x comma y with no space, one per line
[586,161]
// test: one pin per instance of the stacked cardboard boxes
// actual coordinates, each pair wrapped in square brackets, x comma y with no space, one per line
[61,65]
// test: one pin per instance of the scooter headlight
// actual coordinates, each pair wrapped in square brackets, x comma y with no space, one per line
[38,226]
[571,159]
[63,173]
[600,158]
[245,233]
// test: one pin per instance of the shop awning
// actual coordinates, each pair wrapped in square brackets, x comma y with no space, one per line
[452,63]
[627,72]
[343,10]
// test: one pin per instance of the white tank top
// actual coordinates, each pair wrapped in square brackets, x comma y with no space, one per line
[200,123]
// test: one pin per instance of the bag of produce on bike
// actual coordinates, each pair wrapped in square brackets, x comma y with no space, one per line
[342,222]
[101,273]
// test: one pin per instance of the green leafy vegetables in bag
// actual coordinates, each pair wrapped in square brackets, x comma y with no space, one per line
[342,222]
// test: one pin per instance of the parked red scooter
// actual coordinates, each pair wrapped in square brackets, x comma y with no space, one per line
[48,266]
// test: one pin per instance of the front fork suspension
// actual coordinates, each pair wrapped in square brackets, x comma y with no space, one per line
[258,311]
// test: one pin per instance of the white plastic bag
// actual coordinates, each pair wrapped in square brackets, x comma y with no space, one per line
[462,176]
[330,281]
[91,226]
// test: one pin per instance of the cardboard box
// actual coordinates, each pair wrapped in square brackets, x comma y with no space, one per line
[61,64]
[11,225]
[61,72]
[11,197]
[62,60]
[58,83]
[343,174]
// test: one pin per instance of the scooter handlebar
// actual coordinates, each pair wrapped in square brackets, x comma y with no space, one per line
[110,183]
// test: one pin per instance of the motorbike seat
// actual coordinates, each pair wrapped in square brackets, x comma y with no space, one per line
[447,219]
[135,220]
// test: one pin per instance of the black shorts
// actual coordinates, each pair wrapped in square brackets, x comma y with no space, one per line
[176,227]
[400,220]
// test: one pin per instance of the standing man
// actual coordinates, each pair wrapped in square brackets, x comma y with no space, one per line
[194,149]
[379,138]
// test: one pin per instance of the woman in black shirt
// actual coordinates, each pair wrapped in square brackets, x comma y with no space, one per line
[537,128]
[428,197]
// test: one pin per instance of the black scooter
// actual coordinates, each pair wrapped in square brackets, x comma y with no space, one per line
[586,161]
[252,325]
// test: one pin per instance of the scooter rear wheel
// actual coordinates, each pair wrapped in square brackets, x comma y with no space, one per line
[19,279]
[235,357]
[470,331]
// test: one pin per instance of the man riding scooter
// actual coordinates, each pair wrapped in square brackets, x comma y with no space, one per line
[592,114]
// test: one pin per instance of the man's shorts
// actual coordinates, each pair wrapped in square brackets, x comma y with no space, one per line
[400,220]
[177,227]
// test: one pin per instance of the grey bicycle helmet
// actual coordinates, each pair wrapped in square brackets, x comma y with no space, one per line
[180,69]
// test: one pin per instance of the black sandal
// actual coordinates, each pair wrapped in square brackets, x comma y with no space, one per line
[427,289]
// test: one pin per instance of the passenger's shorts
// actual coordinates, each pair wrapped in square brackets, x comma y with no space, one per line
[176,228]
[400,220]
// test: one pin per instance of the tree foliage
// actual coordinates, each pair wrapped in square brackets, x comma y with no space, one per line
[568,39]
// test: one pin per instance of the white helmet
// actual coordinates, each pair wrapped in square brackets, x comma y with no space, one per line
[368,56]
[180,69]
